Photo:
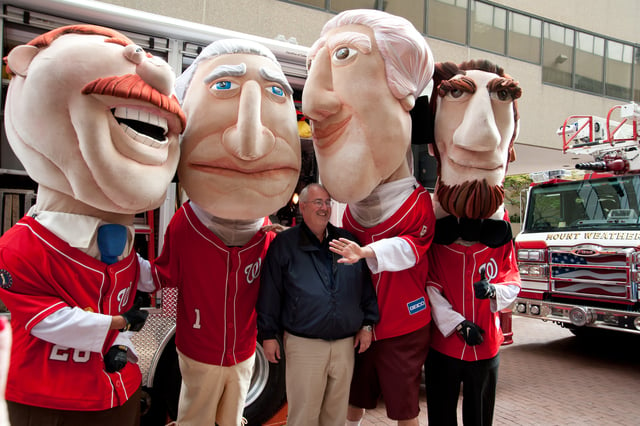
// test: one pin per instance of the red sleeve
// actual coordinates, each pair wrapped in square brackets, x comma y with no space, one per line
[165,268]
[420,236]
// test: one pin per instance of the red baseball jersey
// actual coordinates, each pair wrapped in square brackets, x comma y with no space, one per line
[217,289]
[402,297]
[40,274]
[454,268]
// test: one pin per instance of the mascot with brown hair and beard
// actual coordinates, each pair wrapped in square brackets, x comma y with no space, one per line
[473,272]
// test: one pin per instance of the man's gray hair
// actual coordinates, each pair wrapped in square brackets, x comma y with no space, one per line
[217,48]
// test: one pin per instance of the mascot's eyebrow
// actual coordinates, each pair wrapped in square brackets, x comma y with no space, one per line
[360,41]
[508,84]
[276,77]
[464,84]
[226,71]
[241,69]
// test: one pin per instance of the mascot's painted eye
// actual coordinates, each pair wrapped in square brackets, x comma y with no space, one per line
[341,54]
[502,95]
[456,93]
[276,90]
[223,85]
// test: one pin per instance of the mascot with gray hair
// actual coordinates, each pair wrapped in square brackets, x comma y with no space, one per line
[239,163]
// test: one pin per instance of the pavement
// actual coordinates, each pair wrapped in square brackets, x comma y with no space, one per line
[549,377]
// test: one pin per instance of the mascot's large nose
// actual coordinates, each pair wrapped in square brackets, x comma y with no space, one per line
[478,130]
[154,71]
[319,100]
[158,74]
[249,140]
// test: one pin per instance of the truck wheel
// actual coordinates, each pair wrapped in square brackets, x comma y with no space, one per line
[265,397]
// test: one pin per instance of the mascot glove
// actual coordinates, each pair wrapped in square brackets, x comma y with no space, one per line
[483,289]
[115,359]
[470,332]
[135,318]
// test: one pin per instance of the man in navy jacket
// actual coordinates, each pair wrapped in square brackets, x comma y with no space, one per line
[324,308]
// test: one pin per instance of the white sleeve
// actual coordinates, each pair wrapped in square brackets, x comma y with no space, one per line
[445,317]
[392,254]
[505,295]
[145,281]
[74,328]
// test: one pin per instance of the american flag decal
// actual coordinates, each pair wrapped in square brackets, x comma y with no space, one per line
[604,275]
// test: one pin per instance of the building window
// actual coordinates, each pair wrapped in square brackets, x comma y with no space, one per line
[557,58]
[447,20]
[488,26]
[524,37]
[342,5]
[413,10]
[618,63]
[320,4]
[589,63]
[636,75]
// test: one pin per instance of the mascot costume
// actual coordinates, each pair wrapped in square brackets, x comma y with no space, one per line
[473,272]
[365,73]
[92,118]
[240,161]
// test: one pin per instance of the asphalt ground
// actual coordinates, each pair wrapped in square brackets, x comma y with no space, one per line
[550,377]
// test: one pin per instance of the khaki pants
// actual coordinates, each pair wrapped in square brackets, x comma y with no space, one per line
[318,376]
[212,393]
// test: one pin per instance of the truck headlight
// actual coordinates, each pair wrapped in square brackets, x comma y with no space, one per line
[531,255]
[533,270]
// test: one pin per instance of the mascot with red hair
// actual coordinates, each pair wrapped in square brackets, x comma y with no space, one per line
[472,265]
[93,119]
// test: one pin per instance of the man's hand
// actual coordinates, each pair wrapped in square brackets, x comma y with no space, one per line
[135,319]
[363,339]
[483,289]
[115,359]
[271,350]
[470,332]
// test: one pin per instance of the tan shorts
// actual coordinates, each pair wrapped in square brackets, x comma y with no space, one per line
[212,393]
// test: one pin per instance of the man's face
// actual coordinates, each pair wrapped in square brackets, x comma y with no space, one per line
[91,146]
[316,210]
[361,132]
[474,124]
[240,150]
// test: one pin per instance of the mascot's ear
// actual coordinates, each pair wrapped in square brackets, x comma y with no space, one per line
[20,58]
[421,122]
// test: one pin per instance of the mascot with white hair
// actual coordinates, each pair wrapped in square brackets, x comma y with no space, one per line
[366,72]
[239,163]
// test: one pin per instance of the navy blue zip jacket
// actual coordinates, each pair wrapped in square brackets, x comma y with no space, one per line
[306,292]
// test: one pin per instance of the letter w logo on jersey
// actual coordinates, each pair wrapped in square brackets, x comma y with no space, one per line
[253,271]
[123,298]
[490,269]
[417,306]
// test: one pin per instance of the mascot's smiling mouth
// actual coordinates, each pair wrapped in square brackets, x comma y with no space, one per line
[142,126]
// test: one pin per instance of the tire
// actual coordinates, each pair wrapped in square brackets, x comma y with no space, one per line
[267,392]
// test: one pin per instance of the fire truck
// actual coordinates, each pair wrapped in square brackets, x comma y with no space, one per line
[579,248]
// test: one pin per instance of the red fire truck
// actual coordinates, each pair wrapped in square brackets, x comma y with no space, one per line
[579,248]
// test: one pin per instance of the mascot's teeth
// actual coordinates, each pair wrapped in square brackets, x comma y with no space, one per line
[139,137]
[142,126]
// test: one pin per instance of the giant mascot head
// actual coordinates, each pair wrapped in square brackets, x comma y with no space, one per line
[365,73]
[476,125]
[240,154]
[92,118]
